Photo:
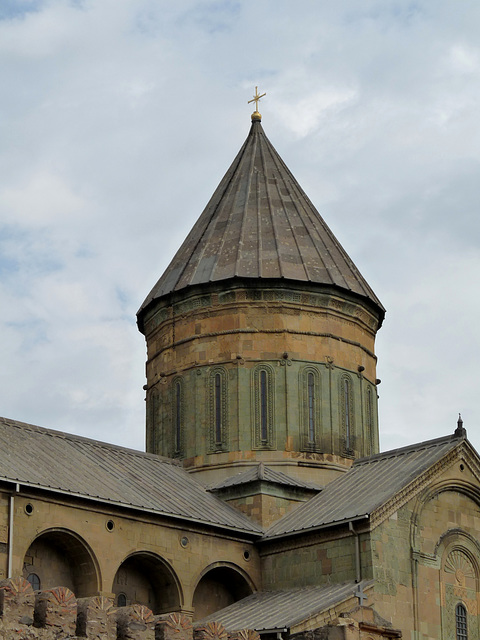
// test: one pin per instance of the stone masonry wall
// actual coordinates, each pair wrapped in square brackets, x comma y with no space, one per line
[56,614]
[314,562]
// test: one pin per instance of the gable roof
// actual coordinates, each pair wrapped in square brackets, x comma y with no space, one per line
[261,473]
[274,610]
[259,223]
[369,484]
[93,470]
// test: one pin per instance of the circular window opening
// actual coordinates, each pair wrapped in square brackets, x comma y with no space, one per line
[34,580]
[184,542]
[462,467]
[246,555]
[110,527]
[121,600]
[29,509]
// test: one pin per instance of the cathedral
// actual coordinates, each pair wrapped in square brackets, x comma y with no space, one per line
[262,501]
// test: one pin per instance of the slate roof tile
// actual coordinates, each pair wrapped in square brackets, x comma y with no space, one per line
[260,472]
[259,223]
[282,609]
[369,484]
[90,469]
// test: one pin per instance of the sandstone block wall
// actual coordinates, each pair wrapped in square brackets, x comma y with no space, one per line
[55,614]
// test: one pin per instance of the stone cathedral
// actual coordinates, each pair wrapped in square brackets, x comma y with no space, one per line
[262,501]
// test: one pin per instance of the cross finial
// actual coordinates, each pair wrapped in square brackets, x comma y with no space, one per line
[360,594]
[460,432]
[256,115]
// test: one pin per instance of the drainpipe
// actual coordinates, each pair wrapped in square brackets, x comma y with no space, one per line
[358,571]
[10,531]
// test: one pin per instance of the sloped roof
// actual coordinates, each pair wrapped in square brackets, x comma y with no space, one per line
[259,223]
[260,472]
[365,487]
[89,469]
[282,609]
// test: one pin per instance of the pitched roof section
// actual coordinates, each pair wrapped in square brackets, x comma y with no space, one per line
[262,473]
[89,469]
[259,223]
[282,609]
[369,484]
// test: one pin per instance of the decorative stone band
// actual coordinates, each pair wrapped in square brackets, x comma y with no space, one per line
[347,305]
[414,488]
[227,332]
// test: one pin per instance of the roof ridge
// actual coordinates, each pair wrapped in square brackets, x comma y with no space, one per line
[407,449]
[262,473]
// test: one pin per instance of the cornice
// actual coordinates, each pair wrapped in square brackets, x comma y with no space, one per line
[315,299]
[414,488]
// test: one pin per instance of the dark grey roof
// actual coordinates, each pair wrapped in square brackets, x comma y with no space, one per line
[282,609]
[260,472]
[259,223]
[365,487]
[89,469]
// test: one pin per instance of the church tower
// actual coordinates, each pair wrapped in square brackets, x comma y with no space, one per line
[260,335]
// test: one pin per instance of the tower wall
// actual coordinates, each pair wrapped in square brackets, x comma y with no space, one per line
[270,371]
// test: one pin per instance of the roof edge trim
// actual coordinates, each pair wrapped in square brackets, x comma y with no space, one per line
[125,505]
[327,525]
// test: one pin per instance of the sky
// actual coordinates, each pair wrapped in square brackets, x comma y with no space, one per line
[118,118]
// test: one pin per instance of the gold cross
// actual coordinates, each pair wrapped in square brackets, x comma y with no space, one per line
[256,98]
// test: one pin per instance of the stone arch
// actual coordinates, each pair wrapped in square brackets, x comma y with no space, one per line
[219,585]
[459,581]
[146,578]
[60,557]
[463,487]
[459,540]
[446,555]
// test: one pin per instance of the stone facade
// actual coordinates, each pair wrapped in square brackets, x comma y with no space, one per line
[426,555]
[94,551]
[56,613]
[273,369]
[229,336]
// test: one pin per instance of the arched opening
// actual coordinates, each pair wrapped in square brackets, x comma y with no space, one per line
[218,588]
[60,558]
[144,578]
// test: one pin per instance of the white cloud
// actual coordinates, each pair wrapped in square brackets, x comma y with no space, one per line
[119,119]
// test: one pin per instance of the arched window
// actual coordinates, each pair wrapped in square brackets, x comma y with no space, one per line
[34,580]
[370,422]
[218,409]
[461,622]
[346,408]
[178,415]
[121,600]
[311,408]
[309,415]
[263,386]
[263,406]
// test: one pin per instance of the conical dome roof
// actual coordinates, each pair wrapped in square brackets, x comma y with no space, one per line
[260,224]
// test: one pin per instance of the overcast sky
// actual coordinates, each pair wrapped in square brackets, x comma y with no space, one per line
[118,119]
